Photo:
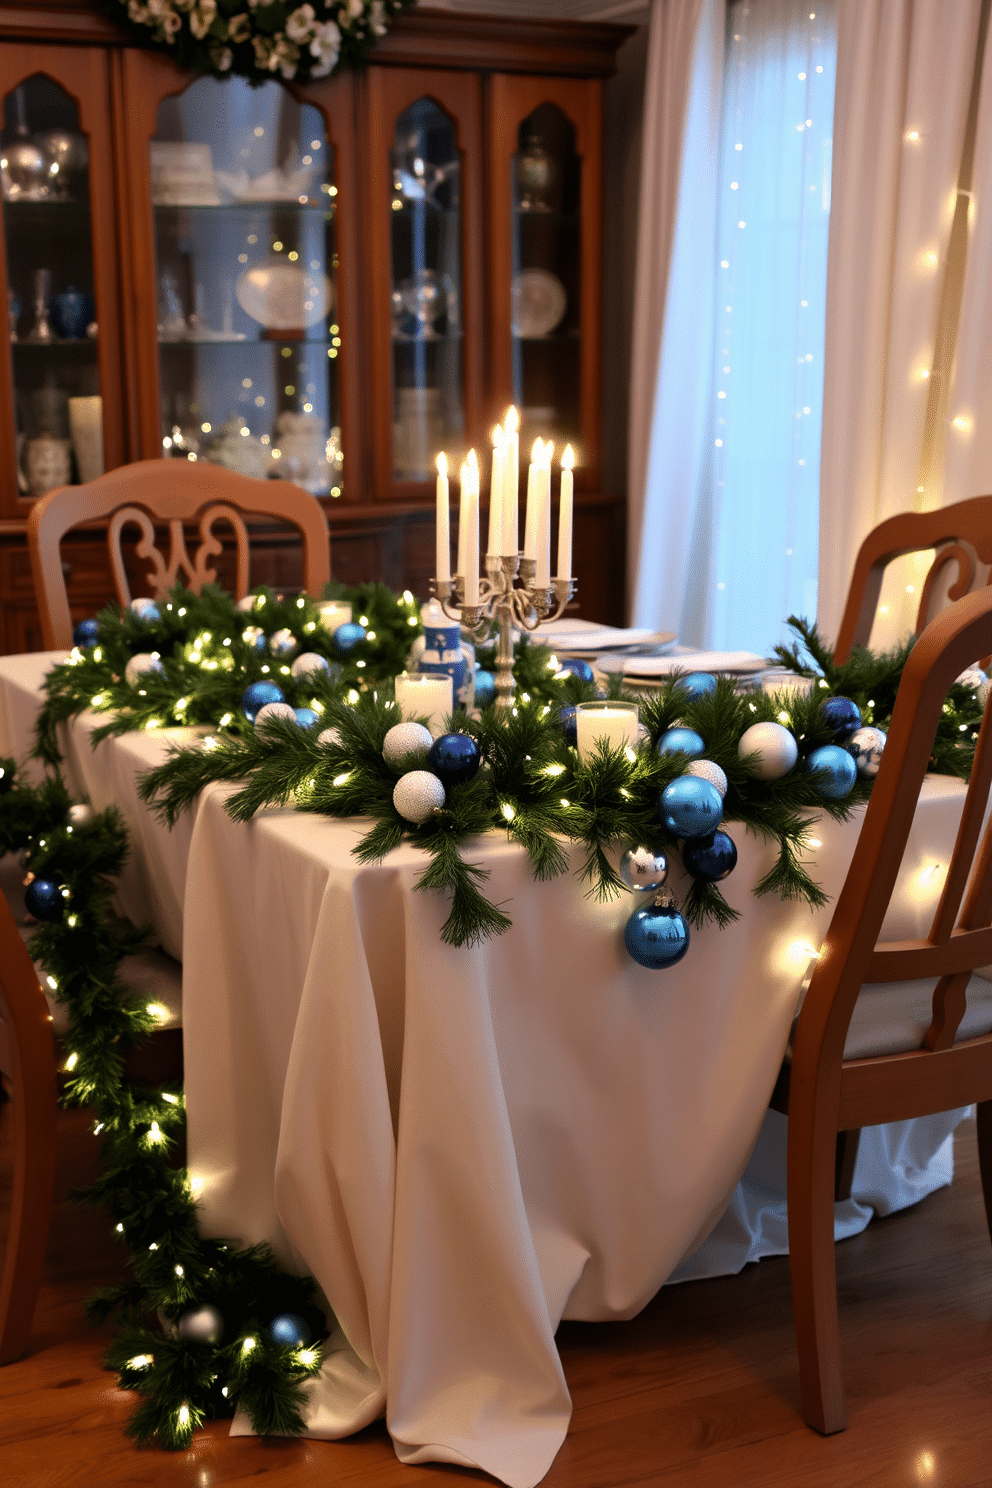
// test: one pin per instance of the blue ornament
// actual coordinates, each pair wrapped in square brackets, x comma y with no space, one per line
[43,899]
[577,667]
[86,633]
[710,858]
[842,716]
[835,771]
[656,936]
[289,1328]
[865,747]
[305,717]
[347,638]
[257,695]
[690,807]
[454,759]
[566,717]
[681,741]
[697,684]
[485,688]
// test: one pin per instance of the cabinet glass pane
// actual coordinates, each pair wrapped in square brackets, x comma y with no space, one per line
[547,270]
[428,401]
[246,268]
[46,222]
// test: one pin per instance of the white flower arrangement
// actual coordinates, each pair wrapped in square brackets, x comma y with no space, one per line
[260,39]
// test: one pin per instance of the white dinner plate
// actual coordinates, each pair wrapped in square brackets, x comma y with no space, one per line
[538,302]
[655,668]
[284,296]
[579,636]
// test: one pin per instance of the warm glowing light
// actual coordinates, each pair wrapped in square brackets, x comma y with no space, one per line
[158,1011]
[155,1133]
[962,423]
[442,468]
[554,770]
[71,1062]
[509,812]
[248,1345]
[307,1356]
[342,779]
[183,1415]
[497,437]
[140,1361]
[912,136]
[926,1466]
[511,420]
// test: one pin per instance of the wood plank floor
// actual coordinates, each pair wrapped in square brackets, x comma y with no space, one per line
[700,1389]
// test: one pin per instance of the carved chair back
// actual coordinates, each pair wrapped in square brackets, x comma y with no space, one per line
[172,494]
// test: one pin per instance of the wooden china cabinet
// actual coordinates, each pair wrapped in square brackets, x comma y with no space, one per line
[329,282]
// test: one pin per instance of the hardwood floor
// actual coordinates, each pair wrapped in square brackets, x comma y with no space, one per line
[700,1389]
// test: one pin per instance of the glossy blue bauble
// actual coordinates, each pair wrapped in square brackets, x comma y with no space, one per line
[710,858]
[454,759]
[656,936]
[697,684]
[257,695]
[835,771]
[289,1328]
[681,741]
[86,633]
[43,899]
[485,688]
[842,716]
[306,717]
[691,807]
[348,637]
[577,667]
[566,717]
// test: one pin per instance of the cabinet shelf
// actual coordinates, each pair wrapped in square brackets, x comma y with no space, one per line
[273,343]
[274,207]
[77,344]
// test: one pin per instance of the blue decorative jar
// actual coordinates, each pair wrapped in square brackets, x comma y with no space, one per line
[441,651]
[71,313]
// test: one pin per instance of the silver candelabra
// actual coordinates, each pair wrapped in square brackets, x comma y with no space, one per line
[513,606]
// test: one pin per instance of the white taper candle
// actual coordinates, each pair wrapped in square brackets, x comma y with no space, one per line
[442,565]
[565,515]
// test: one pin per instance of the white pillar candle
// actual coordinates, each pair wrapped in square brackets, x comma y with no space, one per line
[471,468]
[615,723]
[442,567]
[497,494]
[334,614]
[511,501]
[542,575]
[425,695]
[530,521]
[565,515]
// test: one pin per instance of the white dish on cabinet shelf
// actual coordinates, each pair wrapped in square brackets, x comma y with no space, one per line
[283,296]
[538,301]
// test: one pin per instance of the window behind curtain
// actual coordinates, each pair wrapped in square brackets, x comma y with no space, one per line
[774,208]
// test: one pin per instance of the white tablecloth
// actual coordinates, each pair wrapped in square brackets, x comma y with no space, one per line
[465,1146]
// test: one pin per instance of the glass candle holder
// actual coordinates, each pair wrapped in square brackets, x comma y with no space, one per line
[333,614]
[786,682]
[614,723]
[425,695]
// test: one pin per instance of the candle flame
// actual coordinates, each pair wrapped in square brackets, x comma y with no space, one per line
[537,450]
[511,420]
[472,463]
[442,463]
[548,455]
[498,437]
[568,458]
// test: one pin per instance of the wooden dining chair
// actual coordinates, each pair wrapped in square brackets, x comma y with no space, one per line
[174,494]
[961,534]
[890,1030]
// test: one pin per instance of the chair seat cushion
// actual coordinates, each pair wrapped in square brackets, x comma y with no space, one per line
[893,1017]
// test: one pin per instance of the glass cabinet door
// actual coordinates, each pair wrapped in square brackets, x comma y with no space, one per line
[57,310]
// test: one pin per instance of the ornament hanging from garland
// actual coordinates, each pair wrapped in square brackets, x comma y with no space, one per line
[257,41]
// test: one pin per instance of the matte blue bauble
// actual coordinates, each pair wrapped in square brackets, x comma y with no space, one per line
[690,807]
[86,633]
[257,695]
[681,741]
[656,936]
[697,684]
[485,688]
[566,717]
[289,1328]
[835,771]
[454,759]
[43,899]
[842,716]
[577,667]
[348,637]
[710,858]
[305,717]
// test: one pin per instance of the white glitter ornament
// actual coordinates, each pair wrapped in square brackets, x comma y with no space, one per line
[706,770]
[329,736]
[406,742]
[866,745]
[418,795]
[775,747]
[80,815]
[982,694]
[971,677]
[205,1325]
[143,603]
[139,666]
[282,643]
[247,604]
[274,710]
[308,663]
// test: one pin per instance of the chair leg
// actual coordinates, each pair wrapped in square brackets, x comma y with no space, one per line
[983,1113]
[33,1114]
[812,1159]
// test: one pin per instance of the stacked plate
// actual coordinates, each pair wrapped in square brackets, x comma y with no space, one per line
[585,638]
[646,671]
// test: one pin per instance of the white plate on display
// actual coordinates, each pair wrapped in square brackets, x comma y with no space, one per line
[538,302]
[576,636]
[658,668]
[283,296]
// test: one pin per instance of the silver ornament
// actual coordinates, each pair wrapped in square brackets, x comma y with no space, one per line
[205,1325]
[642,869]
[274,710]
[418,795]
[80,815]
[406,742]
[971,677]
[775,747]
[309,663]
[866,745]
[643,736]
[140,665]
[282,643]
[982,694]
[707,770]
[329,736]
[141,604]
[247,603]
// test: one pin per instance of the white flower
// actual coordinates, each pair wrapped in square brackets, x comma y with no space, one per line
[263,49]
[239,27]
[299,26]
[201,17]
[356,8]
[169,25]
[326,46]
[137,12]
[222,59]
[377,16]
